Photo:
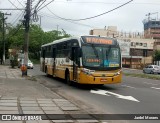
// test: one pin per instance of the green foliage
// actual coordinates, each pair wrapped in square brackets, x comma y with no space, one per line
[37,37]
[35,61]
[156,55]
[1,42]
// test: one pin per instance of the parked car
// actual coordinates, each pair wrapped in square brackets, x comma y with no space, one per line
[151,69]
[29,64]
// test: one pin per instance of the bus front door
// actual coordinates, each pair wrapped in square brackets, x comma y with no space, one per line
[54,61]
[75,63]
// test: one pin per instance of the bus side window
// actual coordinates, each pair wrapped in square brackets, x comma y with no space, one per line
[54,50]
[75,43]
[43,52]
[68,52]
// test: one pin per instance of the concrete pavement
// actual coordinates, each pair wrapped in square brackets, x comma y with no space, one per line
[8,72]
[18,95]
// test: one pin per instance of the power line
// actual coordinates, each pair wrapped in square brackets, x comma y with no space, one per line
[41,4]
[87,2]
[12,9]
[86,25]
[13,4]
[37,4]
[95,15]
[45,5]
[20,3]
[21,14]
[15,20]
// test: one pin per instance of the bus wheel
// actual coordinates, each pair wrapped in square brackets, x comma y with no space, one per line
[47,72]
[67,79]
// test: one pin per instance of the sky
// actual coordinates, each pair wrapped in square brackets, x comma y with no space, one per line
[127,18]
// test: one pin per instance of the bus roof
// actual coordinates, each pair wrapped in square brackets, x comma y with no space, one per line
[60,40]
[66,39]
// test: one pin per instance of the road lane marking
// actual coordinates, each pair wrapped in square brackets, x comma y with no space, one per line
[103,92]
[150,83]
[128,86]
[155,88]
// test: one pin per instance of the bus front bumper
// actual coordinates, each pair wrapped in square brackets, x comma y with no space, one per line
[90,79]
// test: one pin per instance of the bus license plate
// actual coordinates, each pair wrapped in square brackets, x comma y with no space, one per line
[103,80]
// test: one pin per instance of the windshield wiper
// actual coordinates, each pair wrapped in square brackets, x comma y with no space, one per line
[95,51]
[108,51]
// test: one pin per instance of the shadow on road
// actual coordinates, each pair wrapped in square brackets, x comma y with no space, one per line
[83,86]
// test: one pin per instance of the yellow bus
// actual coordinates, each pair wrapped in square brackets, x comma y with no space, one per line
[84,60]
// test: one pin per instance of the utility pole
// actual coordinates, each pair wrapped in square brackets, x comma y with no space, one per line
[27,25]
[3,36]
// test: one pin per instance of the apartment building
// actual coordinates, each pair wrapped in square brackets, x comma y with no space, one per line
[152,30]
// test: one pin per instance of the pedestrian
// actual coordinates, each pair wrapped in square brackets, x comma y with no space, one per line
[23,69]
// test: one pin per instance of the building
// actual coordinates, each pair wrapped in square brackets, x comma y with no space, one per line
[152,29]
[111,31]
[140,52]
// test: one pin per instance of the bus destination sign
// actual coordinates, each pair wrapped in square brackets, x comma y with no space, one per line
[97,40]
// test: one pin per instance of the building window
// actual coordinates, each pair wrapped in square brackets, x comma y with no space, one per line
[144,44]
[132,43]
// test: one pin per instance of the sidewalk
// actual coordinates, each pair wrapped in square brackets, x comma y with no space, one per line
[21,96]
[8,72]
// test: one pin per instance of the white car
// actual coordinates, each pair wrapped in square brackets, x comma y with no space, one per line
[152,69]
[29,65]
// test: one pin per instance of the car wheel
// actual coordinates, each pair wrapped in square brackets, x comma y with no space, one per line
[144,71]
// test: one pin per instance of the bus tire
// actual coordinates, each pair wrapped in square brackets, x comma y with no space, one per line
[67,78]
[46,71]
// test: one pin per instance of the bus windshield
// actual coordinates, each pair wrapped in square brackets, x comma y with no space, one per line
[101,57]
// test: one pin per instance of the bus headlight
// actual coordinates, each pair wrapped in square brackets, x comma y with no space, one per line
[87,71]
[118,73]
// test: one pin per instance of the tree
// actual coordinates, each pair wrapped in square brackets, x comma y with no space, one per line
[37,37]
[156,55]
[1,42]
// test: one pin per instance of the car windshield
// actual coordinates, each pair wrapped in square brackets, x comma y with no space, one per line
[101,57]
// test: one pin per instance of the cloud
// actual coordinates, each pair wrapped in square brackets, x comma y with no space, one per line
[126,18]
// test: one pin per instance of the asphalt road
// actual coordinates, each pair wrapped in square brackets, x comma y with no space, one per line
[132,96]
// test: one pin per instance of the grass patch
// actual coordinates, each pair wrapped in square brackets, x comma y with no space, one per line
[35,61]
[148,76]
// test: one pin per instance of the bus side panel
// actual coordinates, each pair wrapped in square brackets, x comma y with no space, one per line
[60,72]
